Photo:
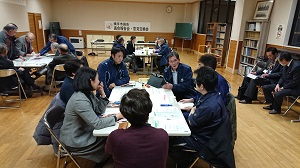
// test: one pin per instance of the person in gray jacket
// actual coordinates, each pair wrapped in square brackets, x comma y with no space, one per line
[24,44]
[83,114]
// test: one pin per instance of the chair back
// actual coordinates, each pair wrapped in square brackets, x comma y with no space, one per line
[52,115]
[231,109]
[99,40]
[261,64]
[7,72]
[79,53]
[59,67]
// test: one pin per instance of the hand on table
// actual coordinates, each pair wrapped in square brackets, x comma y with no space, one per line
[112,85]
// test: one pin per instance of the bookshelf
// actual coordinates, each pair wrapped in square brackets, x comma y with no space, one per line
[254,44]
[217,36]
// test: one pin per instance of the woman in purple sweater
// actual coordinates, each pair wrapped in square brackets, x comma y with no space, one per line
[141,145]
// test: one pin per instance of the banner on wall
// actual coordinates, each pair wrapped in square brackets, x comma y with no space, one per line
[127,26]
[17,2]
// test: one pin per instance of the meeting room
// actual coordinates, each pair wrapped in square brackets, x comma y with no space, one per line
[149,83]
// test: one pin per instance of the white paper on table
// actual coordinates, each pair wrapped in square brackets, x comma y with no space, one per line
[184,105]
[251,76]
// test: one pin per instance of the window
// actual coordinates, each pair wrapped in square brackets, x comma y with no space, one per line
[215,11]
[295,32]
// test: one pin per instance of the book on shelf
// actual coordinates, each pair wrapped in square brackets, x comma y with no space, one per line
[222,28]
[251,26]
[257,26]
[222,35]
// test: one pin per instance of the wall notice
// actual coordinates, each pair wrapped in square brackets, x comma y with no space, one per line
[127,26]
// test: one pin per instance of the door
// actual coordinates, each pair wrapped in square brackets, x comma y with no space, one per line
[36,27]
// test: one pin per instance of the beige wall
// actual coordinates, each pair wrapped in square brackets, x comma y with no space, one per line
[282,13]
[91,15]
[18,14]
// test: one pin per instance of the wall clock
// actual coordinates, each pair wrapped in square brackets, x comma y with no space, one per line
[169,9]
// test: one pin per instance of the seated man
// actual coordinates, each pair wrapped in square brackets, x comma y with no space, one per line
[141,138]
[54,48]
[63,57]
[24,44]
[113,72]
[204,120]
[164,51]
[270,74]
[7,37]
[223,87]
[67,89]
[59,40]
[11,81]
[126,57]
[288,84]
[116,41]
[179,78]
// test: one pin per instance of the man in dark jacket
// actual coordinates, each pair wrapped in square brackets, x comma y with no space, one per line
[59,40]
[179,78]
[270,74]
[113,72]
[63,57]
[11,81]
[288,84]
[204,120]
[163,51]
[7,36]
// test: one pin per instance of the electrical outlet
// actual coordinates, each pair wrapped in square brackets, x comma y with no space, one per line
[80,33]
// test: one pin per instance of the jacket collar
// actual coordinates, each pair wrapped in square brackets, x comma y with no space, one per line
[203,98]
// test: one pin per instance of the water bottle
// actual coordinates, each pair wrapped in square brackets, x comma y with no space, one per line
[147,51]
[33,54]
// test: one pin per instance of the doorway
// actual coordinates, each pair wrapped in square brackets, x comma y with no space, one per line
[36,27]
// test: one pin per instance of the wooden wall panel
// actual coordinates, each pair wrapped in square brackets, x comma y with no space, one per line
[198,39]
[231,55]
[18,34]
[238,57]
[235,50]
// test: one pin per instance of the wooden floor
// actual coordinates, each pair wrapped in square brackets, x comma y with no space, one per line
[263,140]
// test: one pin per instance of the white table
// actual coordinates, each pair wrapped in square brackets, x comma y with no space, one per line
[144,44]
[169,118]
[33,62]
[143,54]
[94,44]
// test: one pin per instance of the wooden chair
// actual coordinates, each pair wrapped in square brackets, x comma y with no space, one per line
[60,68]
[7,73]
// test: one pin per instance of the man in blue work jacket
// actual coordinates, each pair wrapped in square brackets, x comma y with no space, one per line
[59,40]
[179,78]
[113,72]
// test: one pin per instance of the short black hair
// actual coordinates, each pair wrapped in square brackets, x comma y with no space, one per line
[285,55]
[115,50]
[135,106]
[3,48]
[171,54]
[132,38]
[71,67]
[118,35]
[82,79]
[207,77]
[10,26]
[120,39]
[54,36]
[272,49]
[209,61]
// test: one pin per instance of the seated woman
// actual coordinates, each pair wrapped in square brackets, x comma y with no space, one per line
[84,113]
[140,145]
